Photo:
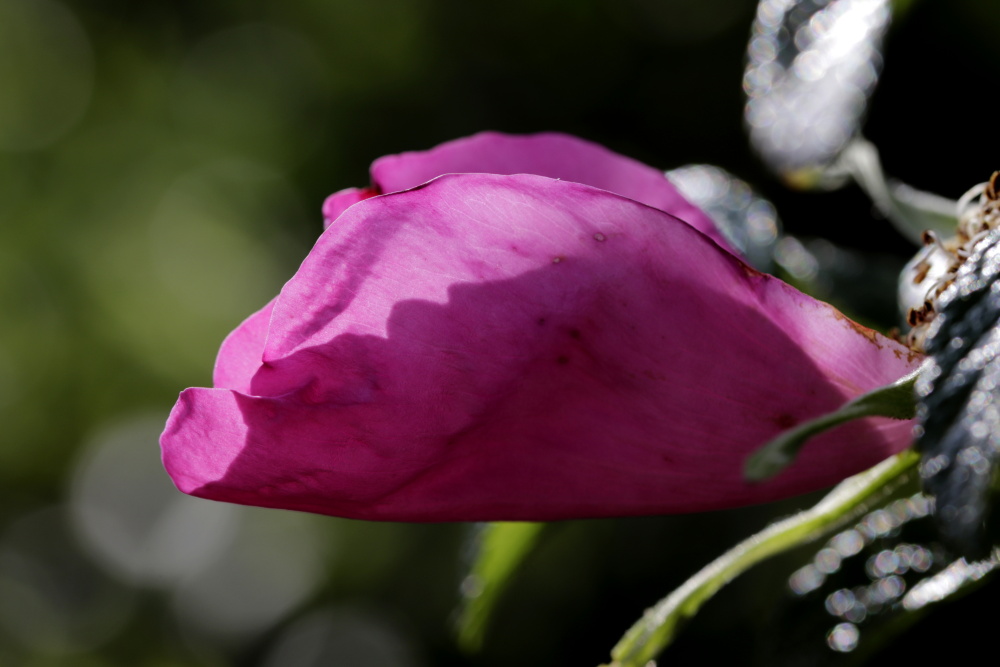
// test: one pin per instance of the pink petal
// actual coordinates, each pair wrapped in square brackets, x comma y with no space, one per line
[513,347]
[548,154]
[242,351]
[338,202]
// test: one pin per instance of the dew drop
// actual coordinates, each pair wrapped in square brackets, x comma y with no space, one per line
[806,579]
[838,602]
[843,638]
[847,543]
[827,560]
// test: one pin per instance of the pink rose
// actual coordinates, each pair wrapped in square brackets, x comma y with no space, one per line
[533,335]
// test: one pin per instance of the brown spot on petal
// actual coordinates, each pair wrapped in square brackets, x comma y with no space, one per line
[574,334]
[750,271]
[562,360]
[785,421]
[911,355]
[870,334]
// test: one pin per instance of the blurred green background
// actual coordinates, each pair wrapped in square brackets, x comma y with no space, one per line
[162,168]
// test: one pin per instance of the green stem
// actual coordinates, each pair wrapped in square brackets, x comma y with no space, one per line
[659,625]
[895,401]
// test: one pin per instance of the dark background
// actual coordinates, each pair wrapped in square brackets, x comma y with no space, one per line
[162,168]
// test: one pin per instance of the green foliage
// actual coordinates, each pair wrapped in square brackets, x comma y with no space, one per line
[500,549]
